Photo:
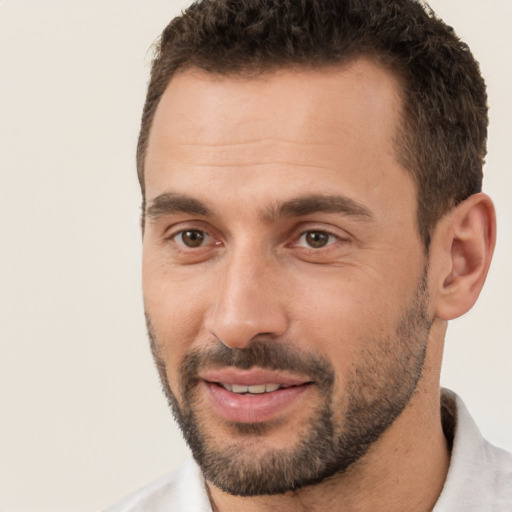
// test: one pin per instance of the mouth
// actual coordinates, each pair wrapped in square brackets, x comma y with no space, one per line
[255,389]
[253,396]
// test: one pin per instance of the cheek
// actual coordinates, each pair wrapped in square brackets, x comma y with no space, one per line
[172,297]
[338,315]
[175,310]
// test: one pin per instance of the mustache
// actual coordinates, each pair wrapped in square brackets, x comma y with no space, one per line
[265,354]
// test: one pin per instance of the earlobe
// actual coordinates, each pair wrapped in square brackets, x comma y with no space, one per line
[468,236]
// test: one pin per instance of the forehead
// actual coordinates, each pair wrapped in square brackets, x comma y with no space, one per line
[277,132]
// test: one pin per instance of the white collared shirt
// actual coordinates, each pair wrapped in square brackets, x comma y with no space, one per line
[479,477]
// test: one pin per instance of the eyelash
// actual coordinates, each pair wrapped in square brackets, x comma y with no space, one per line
[181,232]
[331,239]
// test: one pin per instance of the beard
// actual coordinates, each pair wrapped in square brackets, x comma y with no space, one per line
[337,434]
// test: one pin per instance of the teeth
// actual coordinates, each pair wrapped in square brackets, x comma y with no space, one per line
[256,389]
[260,388]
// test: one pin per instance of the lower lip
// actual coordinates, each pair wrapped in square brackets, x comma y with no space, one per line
[257,408]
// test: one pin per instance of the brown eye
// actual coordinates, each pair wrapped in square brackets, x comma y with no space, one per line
[317,239]
[191,238]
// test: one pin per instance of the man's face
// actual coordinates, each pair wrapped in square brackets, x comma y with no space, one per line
[284,277]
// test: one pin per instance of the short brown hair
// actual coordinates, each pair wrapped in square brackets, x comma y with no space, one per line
[442,138]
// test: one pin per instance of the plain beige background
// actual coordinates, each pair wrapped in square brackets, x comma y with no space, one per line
[82,418]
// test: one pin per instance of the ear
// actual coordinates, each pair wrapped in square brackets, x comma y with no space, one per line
[464,245]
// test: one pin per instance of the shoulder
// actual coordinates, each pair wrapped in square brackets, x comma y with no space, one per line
[480,475]
[181,490]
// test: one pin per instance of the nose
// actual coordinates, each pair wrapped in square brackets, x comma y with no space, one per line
[247,302]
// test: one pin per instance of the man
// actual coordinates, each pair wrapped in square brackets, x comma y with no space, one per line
[312,218]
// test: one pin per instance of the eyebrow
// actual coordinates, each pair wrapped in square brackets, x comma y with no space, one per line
[307,205]
[169,203]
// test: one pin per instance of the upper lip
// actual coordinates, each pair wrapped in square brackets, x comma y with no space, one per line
[252,377]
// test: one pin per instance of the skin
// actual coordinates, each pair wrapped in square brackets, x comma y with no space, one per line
[242,147]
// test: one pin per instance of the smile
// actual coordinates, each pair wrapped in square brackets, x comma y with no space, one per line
[255,389]
[255,395]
